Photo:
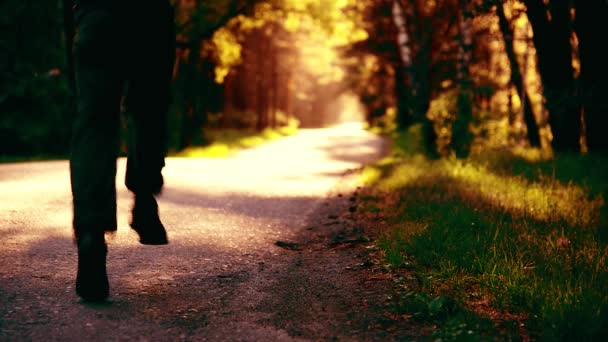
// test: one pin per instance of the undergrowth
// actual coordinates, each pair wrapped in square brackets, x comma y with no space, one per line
[225,142]
[519,231]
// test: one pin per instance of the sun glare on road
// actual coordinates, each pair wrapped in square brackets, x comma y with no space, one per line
[237,203]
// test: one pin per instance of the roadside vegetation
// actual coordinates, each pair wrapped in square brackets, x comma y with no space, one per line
[222,143]
[510,236]
[225,142]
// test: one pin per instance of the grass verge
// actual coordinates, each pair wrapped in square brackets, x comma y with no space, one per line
[225,142]
[509,236]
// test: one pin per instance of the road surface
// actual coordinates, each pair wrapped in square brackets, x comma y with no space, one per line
[221,278]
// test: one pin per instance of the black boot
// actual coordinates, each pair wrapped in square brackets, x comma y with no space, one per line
[146,223]
[92,279]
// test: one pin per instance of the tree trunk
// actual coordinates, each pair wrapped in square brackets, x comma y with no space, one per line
[554,53]
[517,78]
[274,88]
[289,92]
[190,78]
[591,27]
[461,133]
[403,78]
[229,94]
[412,90]
[259,82]
[205,99]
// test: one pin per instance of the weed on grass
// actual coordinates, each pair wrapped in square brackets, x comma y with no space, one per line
[528,234]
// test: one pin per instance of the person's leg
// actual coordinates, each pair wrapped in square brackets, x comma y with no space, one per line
[94,147]
[147,104]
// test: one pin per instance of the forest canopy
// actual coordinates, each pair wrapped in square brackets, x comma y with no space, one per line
[473,74]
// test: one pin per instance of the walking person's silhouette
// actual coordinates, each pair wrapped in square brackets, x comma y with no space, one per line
[123,50]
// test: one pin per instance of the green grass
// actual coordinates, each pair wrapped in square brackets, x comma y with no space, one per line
[523,230]
[226,142]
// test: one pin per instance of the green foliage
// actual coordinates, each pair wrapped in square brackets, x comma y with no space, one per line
[226,142]
[442,112]
[456,323]
[528,233]
[323,25]
[411,142]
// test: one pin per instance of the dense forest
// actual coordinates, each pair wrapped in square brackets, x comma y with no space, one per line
[473,74]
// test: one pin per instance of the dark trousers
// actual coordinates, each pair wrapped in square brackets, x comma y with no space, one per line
[119,55]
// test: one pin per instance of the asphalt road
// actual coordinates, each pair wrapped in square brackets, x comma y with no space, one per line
[221,277]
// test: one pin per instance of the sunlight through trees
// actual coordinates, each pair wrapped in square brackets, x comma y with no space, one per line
[477,74]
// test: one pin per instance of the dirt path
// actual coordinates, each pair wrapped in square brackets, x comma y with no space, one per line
[262,248]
